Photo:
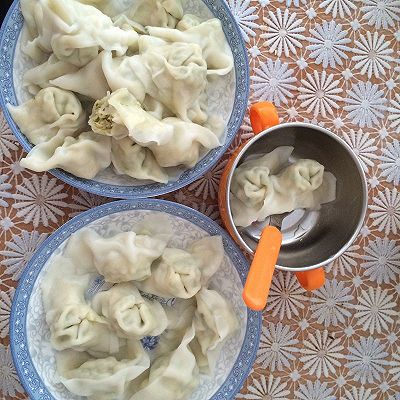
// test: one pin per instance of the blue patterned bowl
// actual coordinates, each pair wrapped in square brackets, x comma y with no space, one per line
[33,355]
[229,99]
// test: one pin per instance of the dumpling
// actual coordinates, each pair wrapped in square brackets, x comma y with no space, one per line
[88,81]
[50,112]
[209,36]
[172,376]
[181,273]
[73,323]
[120,114]
[76,32]
[125,256]
[125,23]
[214,323]
[84,156]
[164,13]
[189,142]
[104,378]
[124,72]
[178,74]
[250,179]
[303,184]
[136,161]
[39,77]
[188,21]
[131,315]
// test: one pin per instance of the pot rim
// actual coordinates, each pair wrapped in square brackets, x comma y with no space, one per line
[346,147]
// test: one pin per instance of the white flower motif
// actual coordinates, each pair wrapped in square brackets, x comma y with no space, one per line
[366,104]
[254,51]
[245,16]
[359,394]
[311,13]
[302,63]
[395,364]
[272,389]
[9,383]
[4,188]
[363,146]
[7,139]
[5,311]
[346,262]
[375,308]
[382,13]
[319,93]
[321,354]
[366,360]
[296,3]
[85,201]
[284,32]
[394,113]
[285,296]
[330,303]
[19,251]
[277,347]
[328,45]
[207,186]
[39,200]
[347,74]
[373,54]
[340,7]
[382,260]
[390,162]
[314,391]
[273,82]
[386,211]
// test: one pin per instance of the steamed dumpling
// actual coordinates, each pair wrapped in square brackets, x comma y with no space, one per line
[211,39]
[136,161]
[88,81]
[178,74]
[104,378]
[257,193]
[172,376]
[76,32]
[131,315]
[39,77]
[52,111]
[214,323]
[181,273]
[164,13]
[84,156]
[73,323]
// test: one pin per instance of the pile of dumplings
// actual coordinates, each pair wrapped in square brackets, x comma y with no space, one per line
[270,184]
[99,338]
[120,85]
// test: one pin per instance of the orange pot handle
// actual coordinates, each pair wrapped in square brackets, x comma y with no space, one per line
[263,115]
[311,280]
[259,278]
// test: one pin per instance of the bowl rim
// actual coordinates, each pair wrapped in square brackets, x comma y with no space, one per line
[24,365]
[242,89]
[345,147]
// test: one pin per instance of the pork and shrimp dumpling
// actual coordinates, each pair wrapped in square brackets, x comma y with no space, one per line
[145,70]
[270,184]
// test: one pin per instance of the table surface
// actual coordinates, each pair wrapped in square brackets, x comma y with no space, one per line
[335,63]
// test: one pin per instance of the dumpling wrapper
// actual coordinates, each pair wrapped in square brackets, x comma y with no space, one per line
[209,36]
[102,378]
[136,161]
[52,111]
[214,324]
[131,316]
[256,194]
[88,81]
[84,156]
[172,376]
[182,273]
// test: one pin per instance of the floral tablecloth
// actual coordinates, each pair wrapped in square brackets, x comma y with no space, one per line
[335,63]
